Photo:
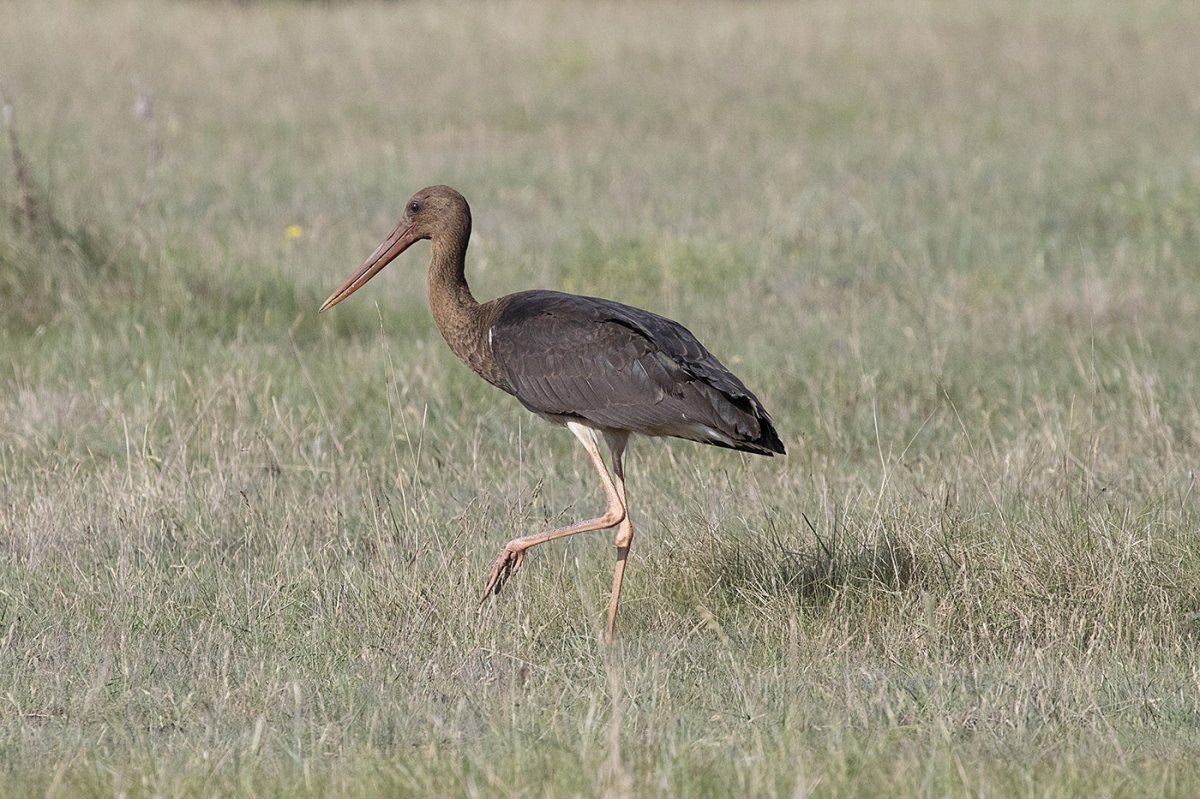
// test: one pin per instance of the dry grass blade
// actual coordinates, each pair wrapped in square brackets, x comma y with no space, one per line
[26,211]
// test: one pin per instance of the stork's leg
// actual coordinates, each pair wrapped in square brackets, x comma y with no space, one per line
[616,443]
[513,554]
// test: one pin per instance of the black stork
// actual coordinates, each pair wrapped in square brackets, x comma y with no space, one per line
[598,367]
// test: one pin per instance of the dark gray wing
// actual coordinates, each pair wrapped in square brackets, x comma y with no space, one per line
[623,368]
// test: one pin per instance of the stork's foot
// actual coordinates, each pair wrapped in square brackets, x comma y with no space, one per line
[508,563]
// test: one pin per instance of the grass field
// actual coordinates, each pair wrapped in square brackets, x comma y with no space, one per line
[954,246]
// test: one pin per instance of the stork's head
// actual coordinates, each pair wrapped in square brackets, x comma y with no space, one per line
[435,212]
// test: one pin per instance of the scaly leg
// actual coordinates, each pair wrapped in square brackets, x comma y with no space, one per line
[616,443]
[513,554]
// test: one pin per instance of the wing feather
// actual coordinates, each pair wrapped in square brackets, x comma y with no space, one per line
[620,367]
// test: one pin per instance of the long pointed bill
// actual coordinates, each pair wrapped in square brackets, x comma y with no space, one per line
[397,242]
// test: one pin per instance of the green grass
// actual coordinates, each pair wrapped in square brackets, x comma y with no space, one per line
[955,247]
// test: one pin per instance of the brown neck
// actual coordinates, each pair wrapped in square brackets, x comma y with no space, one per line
[457,314]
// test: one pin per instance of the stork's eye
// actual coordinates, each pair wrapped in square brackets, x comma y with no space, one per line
[413,207]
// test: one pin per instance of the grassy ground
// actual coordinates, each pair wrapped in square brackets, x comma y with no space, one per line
[955,247]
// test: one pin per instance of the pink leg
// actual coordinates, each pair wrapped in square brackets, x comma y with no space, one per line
[624,532]
[513,554]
